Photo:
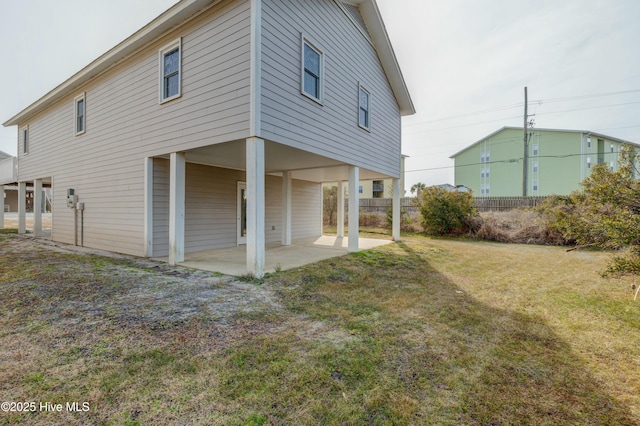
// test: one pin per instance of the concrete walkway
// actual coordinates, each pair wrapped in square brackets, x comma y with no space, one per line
[232,261]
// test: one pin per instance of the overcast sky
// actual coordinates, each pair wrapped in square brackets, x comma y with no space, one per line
[466,64]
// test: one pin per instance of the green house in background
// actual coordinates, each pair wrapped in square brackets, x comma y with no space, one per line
[558,160]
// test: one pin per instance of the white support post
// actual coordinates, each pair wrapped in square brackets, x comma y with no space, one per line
[37,207]
[22,207]
[2,195]
[286,208]
[354,208]
[396,214]
[177,166]
[148,207]
[255,206]
[340,215]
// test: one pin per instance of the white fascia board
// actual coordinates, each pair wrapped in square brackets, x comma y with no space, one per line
[176,15]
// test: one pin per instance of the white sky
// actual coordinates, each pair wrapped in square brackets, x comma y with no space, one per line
[463,60]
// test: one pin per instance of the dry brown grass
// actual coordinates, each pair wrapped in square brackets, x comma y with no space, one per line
[519,226]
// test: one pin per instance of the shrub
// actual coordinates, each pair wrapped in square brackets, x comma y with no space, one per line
[604,213]
[446,212]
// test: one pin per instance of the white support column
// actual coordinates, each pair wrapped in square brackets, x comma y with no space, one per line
[22,207]
[2,206]
[396,213]
[340,215]
[255,207]
[177,166]
[354,208]
[148,207]
[286,208]
[37,207]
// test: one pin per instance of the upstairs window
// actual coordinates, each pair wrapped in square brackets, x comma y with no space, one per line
[364,115]
[25,140]
[536,149]
[312,64]
[170,71]
[80,114]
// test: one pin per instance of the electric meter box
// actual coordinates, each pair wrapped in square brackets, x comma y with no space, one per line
[72,198]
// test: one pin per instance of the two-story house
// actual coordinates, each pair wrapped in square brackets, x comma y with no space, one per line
[556,162]
[215,125]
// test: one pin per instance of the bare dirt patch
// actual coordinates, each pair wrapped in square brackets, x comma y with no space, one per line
[92,285]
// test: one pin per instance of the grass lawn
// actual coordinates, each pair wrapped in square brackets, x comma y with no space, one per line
[422,332]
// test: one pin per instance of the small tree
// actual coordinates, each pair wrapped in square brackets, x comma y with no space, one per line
[417,188]
[330,204]
[446,212]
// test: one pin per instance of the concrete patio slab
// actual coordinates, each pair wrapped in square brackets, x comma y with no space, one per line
[232,261]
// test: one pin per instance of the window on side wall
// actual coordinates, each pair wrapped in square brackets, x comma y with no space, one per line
[312,71]
[171,71]
[80,114]
[25,140]
[364,108]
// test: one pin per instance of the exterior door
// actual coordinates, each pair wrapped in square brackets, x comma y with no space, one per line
[242,213]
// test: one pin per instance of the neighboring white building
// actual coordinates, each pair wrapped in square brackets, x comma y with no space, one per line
[216,124]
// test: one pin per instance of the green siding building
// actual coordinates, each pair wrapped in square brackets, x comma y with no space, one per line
[558,160]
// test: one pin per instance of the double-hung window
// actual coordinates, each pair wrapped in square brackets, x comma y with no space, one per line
[312,64]
[80,114]
[170,71]
[364,108]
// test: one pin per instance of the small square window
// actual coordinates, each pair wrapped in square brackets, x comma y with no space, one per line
[171,71]
[611,147]
[312,70]
[535,149]
[80,114]
[364,108]
[535,185]
[360,189]
[589,142]
[535,167]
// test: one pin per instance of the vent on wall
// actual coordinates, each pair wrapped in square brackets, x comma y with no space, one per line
[354,13]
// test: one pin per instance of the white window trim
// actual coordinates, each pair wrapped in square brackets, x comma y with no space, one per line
[166,49]
[25,140]
[535,149]
[363,88]
[306,41]
[81,97]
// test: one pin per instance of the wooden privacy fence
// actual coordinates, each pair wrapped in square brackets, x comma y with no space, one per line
[484,204]
[382,205]
[499,204]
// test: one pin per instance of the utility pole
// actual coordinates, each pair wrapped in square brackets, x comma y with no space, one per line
[525,158]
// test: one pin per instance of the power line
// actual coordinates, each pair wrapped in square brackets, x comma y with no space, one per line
[575,98]
[511,161]
[520,104]
[586,108]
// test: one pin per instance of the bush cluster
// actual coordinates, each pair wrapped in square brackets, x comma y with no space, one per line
[446,212]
